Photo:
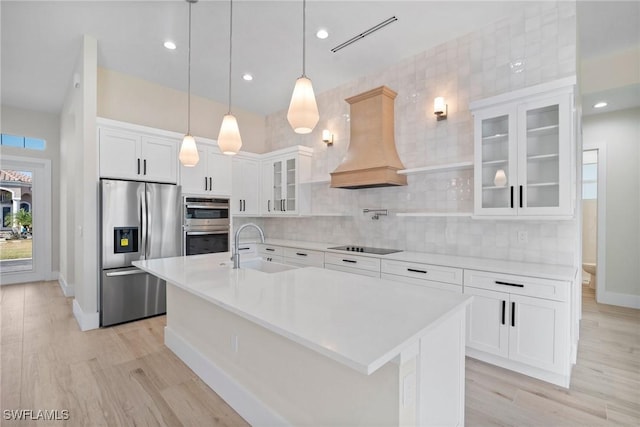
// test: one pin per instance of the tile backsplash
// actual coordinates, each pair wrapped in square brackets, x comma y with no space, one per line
[472,67]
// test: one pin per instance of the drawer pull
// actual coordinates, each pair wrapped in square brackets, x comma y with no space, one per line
[513,314]
[413,270]
[244,249]
[301,254]
[349,260]
[504,303]
[517,285]
[269,249]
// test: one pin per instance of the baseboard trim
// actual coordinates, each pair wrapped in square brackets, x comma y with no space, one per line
[239,398]
[622,300]
[86,321]
[67,289]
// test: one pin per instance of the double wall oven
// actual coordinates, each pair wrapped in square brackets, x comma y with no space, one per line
[206,225]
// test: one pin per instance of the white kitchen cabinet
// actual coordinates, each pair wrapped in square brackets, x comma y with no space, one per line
[432,276]
[211,176]
[284,173]
[303,257]
[271,253]
[133,155]
[523,147]
[245,185]
[363,265]
[519,322]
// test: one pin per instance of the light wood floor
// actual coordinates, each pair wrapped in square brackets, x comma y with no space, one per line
[125,376]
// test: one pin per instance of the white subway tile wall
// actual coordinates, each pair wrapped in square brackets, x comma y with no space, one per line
[475,66]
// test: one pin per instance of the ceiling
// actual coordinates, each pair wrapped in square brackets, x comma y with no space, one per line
[41,42]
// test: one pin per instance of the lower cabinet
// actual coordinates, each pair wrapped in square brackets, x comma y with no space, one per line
[365,266]
[271,253]
[303,257]
[431,276]
[514,329]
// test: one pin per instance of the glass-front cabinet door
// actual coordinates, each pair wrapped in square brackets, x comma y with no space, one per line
[544,166]
[495,172]
[523,157]
[290,181]
[278,190]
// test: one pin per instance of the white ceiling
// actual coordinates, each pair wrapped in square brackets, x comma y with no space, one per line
[41,41]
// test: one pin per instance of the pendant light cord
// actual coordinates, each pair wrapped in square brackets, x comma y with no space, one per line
[230,47]
[189,78]
[304,37]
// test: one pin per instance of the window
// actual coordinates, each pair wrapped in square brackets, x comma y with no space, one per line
[22,142]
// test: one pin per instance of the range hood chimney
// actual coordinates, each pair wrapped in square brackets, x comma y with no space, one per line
[372,159]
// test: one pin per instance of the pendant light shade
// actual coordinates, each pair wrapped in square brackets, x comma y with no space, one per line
[303,111]
[229,139]
[188,151]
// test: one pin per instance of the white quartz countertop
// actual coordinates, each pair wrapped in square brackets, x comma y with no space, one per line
[545,271]
[359,321]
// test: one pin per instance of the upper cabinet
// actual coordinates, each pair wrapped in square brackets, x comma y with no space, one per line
[284,174]
[246,179]
[523,147]
[139,156]
[211,176]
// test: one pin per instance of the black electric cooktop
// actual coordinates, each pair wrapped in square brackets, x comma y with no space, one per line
[366,250]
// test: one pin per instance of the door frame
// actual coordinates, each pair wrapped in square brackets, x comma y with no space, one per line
[42,227]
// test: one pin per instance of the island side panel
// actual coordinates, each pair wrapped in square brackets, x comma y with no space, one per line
[441,373]
[275,377]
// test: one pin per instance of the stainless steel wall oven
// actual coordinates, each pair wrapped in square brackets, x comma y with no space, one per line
[206,225]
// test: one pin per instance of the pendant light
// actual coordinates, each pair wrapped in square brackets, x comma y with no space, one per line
[229,139]
[188,151]
[303,110]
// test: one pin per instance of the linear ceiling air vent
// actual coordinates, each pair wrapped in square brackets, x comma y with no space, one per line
[364,34]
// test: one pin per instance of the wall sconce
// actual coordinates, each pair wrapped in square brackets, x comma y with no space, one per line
[327,137]
[440,108]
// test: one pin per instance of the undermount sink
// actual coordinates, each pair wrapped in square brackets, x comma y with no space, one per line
[264,266]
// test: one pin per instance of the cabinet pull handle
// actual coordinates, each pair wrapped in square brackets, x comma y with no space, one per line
[413,270]
[349,260]
[270,249]
[268,205]
[511,197]
[513,314]
[301,253]
[521,196]
[504,303]
[517,285]
[205,184]
[240,207]
[210,184]
[138,166]
[145,166]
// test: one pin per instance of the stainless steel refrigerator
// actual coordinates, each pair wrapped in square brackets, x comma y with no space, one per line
[138,221]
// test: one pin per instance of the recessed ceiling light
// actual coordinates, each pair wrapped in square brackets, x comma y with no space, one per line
[600,104]
[322,34]
[170,45]
[248,77]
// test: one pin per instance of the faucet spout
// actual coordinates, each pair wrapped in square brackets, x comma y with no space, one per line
[236,255]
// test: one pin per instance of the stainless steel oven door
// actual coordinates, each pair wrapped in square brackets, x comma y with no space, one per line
[206,212]
[206,241]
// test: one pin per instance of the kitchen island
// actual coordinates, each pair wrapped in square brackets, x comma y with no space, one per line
[309,346]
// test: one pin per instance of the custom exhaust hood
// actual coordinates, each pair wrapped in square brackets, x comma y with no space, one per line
[371,159]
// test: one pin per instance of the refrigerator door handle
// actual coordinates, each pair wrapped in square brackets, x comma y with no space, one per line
[125,272]
[146,208]
[143,221]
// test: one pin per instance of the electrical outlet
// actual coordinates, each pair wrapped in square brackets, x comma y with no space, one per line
[523,237]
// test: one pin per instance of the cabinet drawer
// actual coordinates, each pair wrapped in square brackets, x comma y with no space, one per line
[423,271]
[353,261]
[345,269]
[305,257]
[270,250]
[520,285]
[422,282]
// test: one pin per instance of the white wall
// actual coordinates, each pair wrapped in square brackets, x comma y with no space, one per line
[465,69]
[36,124]
[618,133]
[79,188]
[130,99]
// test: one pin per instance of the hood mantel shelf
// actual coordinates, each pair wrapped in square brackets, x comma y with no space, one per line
[371,159]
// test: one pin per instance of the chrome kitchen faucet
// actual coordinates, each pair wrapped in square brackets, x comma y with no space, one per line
[236,255]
